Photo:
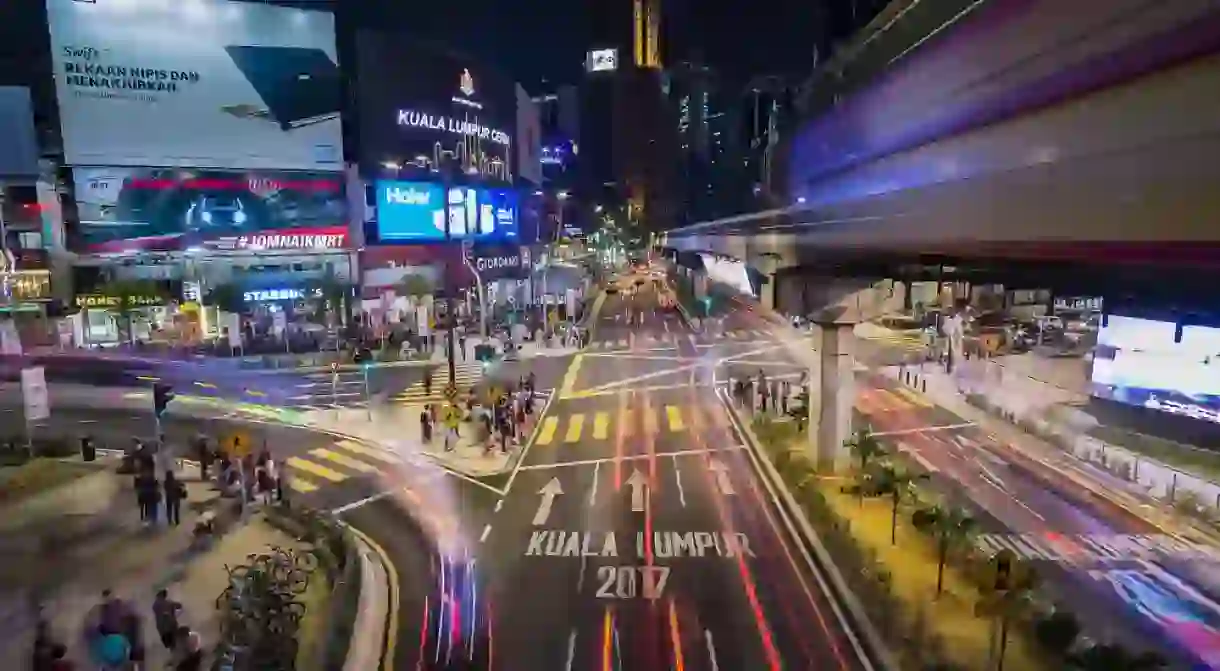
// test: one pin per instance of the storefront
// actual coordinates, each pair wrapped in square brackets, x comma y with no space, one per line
[106,320]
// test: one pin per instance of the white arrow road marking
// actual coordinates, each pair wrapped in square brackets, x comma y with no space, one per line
[549,491]
[638,484]
[722,476]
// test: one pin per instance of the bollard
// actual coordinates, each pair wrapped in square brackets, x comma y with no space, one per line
[1173,488]
[923,385]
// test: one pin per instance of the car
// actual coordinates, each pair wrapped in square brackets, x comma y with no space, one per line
[218,212]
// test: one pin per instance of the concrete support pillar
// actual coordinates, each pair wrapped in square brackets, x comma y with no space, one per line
[768,291]
[832,393]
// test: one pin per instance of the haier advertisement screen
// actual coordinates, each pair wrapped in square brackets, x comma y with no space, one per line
[1138,363]
[415,212]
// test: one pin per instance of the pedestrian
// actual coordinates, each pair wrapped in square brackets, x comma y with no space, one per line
[462,345]
[204,454]
[175,491]
[133,631]
[269,476]
[165,616]
[188,651]
[428,381]
[425,425]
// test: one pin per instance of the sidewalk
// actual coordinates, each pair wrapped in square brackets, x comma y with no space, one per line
[1018,416]
[396,429]
[114,550]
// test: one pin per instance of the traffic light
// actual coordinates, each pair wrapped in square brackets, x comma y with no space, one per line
[162,395]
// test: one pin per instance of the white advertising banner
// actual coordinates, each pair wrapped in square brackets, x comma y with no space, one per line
[34,394]
[204,83]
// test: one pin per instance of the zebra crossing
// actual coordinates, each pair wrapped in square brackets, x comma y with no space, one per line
[646,340]
[466,375]
[1094,548]
[910,341]
[571,428]
[343,389]
[336,463]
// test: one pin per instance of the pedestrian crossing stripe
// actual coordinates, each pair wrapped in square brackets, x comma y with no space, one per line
[901,339]
[1094,548]
[465,375]
[628,422]
[334,464]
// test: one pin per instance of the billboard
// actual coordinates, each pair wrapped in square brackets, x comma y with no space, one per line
[205,83]
[602,60]
[415,212]
[1142,362]
[428,108]
[163,209]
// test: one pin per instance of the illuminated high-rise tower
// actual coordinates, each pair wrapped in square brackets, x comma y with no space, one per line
[646,33]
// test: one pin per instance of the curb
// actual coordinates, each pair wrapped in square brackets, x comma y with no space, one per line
[874,649]
[371,645]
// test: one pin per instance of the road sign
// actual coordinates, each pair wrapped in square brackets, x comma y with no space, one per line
[451,415]
[334,367]
[237,444]
[451,391]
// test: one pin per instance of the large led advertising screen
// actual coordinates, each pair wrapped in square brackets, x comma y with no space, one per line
[162,209]
[429,109]
[415,212]
[1138,362]
[198,83]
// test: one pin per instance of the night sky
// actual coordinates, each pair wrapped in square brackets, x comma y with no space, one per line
[545,39]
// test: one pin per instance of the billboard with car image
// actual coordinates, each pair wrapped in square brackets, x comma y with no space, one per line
[125,210]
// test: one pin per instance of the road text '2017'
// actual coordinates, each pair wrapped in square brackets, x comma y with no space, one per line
[665,544]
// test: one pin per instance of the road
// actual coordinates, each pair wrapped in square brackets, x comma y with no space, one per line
[1125,578]
[636,536]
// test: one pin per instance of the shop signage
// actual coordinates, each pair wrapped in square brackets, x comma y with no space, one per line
[413,119]
[261,295]
[107,301]
[292,241]
[497,262]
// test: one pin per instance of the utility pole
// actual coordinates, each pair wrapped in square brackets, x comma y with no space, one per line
[448,284]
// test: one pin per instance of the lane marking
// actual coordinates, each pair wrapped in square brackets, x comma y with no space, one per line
[486,533]
[630,457]
[678,479]
[593,490]
[571,651]
[711,649]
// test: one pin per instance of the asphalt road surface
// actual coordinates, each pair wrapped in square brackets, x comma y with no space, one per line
[635,535]
[1125,578]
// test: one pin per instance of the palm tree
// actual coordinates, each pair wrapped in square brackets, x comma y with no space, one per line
[336,295]
[1010,603]
[950,526]
[865,446]
[226,298]
[1108,657]
[896,481]
[414,286]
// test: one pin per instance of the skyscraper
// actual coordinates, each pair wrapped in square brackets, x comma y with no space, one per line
[629,143]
